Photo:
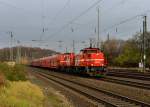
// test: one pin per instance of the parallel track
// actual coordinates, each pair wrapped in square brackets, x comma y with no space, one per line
[127,74]
[127,82]
[101,96]
[147,72]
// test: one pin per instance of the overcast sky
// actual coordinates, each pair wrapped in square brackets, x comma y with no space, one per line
[27,18]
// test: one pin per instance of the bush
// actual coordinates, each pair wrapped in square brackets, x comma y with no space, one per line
[21,94]
[15,73]
[130,56]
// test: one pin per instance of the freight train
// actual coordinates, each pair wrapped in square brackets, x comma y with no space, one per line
[90,61]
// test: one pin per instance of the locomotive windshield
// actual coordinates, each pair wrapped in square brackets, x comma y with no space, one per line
[89,51]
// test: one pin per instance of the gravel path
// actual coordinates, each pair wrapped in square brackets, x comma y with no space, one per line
[71,98]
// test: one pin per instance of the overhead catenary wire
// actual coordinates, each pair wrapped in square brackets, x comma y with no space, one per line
[122,2]
[44,27]
[76,18]
[83,13]
[42,20]
[59,12]
[84,24]
[10,5]
[126,20]
[108,10]
[119,23]
[17,8]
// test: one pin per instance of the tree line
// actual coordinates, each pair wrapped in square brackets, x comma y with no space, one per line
[127,53]
[25,52]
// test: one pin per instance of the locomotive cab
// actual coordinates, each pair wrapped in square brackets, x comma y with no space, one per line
[94,61]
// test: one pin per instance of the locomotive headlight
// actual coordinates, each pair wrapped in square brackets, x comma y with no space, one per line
[82,59]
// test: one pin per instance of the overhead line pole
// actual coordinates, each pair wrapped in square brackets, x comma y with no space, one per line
[73,45]
[18,58]
[144,45]
[98,42]
[11,48]
[91,43]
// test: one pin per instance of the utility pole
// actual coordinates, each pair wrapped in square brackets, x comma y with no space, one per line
[144,47]
[11,47]
[108,37]
[60,44]
[98,42]
[91,42]
[73,45]
[66,50]
[43,33]
[83,42]
[18,52]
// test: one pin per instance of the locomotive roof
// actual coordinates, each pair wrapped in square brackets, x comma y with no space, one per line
[68,53]
[90,49]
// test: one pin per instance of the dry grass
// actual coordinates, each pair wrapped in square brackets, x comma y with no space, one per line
[57,99]
[21,94]
[2,80]
[53,98]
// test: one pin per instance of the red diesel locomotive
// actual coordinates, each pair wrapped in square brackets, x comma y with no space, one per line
[90,61]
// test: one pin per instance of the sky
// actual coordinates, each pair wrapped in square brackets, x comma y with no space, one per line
[68,20]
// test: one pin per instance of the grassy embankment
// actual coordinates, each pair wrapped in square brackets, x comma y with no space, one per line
[16,91]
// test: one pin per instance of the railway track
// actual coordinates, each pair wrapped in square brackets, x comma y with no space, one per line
[127,74]
[129,82]
[104,97]
[129,70]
